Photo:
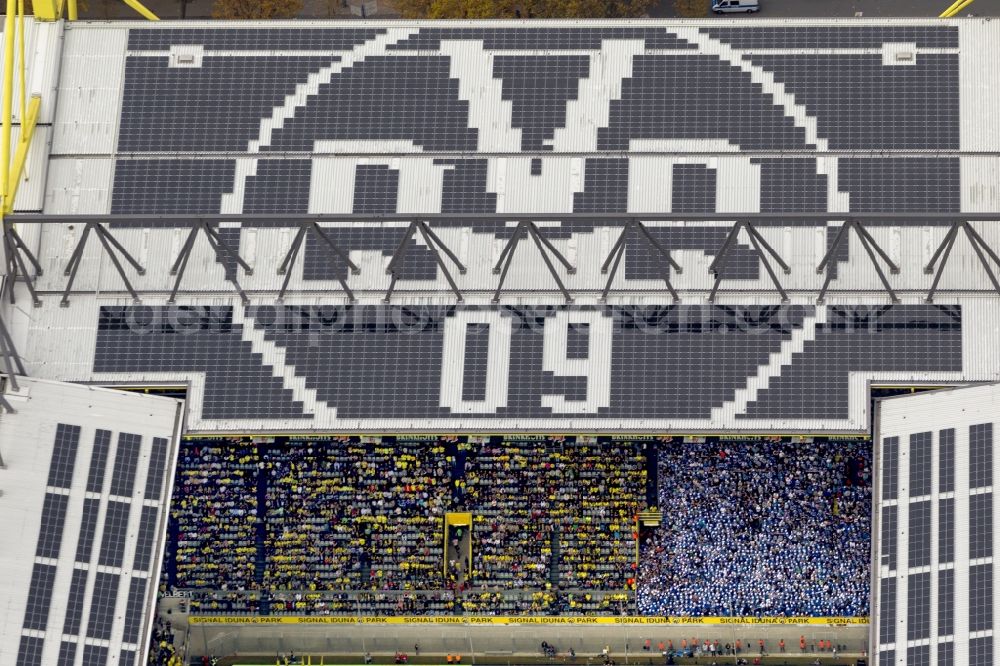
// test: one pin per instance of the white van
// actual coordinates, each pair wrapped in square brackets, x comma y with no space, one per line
[729,6]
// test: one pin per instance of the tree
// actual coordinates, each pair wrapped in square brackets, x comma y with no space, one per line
[256,9]
[477,9]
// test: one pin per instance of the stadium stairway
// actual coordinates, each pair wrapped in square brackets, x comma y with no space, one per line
[652,475]
[260,561]
[556,556]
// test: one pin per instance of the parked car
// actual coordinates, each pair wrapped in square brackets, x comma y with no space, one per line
[731,6]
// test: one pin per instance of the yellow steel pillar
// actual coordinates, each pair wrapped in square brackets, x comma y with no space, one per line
[71,10]
[8,95]
[139,7]
[955,8]
[47,10]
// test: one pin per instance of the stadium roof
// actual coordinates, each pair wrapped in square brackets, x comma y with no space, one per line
[83,511]
[526,128]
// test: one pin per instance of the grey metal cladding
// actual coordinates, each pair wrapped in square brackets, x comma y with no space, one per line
[605,186]
[981,525]
[102,606]
[134,611]
[921,472]
[126,461]
[889,530]
[655,104]
[95,655]
[114,534]
[367,101]
[981,597]
[251,39]
[946,460]
[53,521]
[981,651]
[980,455]
[174,186]
[238,384]
[834,36]
[858,102]
[30,651]
[887,611]
[911,338]
[919,538]
[156,470]
[918,655]
[918,605]
[946,530]
[88,528]
[36,612]
[67,654]
[145,540]
[539,38]
[946,602]
[538,88]
[476,355]
[63,464]
[98,459]
[74,602]
[215,107]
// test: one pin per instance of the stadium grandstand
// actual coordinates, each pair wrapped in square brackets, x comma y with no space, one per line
[515,342]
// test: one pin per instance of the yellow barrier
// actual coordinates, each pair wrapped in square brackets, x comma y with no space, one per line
[511,620]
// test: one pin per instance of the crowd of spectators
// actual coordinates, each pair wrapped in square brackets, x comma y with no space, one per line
[539,505]
[351,525]
[357,516]
[162,651]
[215,515]
[773,528]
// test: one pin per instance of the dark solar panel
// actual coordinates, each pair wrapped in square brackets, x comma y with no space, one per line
[64,449]
[145,539]
[88,528]
[126,458]
[946,602]
[920,464]
[98,461]
[157,467]
[102,606]
[134,611]
[74,602]
[53,521]
[115,531]
[36,614]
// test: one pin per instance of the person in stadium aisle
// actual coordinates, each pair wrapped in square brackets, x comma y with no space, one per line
[760,528]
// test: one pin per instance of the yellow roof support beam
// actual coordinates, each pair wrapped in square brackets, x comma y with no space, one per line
[955,8]
[138,6]
[21,153]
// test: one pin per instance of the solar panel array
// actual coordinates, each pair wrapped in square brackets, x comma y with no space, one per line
[93,550]
[930,479]
[394,361]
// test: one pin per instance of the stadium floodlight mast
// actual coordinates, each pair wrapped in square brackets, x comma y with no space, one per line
[19,257]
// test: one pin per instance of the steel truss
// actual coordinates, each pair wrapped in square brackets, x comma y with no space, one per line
[19,258]
[12,365]
[434,244]
[333,250]
[544,246]
[110,244]
[222,252]
[619,250]
[871,248]
[944,251]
